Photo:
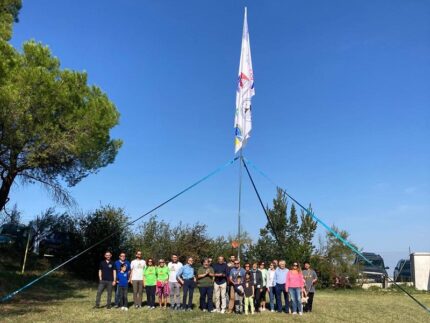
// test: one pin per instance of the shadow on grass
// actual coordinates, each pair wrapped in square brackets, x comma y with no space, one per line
[53,288]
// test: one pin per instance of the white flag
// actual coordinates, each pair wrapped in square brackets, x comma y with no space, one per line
[245,91]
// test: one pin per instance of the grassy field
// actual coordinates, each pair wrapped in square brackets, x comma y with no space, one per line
[61,299]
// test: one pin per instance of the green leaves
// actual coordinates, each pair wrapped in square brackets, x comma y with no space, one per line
[53,125]
[9,10]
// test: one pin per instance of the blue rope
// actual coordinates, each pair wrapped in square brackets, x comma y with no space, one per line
[346,243]
[219,169]
[333,232]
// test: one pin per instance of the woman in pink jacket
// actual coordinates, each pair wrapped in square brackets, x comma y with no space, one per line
[294,286]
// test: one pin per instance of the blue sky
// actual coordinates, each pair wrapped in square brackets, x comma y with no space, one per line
[341,115]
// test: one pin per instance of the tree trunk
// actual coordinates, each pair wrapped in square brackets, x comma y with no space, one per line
[5,189]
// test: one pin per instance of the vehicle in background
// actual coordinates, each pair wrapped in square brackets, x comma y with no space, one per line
[371,273]
[13,235]
[402,271]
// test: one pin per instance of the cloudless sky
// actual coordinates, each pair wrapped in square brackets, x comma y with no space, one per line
[341,116]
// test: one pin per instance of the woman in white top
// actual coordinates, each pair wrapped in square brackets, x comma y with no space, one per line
[271,286]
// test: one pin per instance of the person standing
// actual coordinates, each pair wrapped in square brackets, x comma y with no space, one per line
[280,278]
[228,294]
[294,286]
[162,283]
[107,279]
[249,291]
[149,282]
[122,260]
[271,286]
[263,270]
[220,285]
[187,279]
[239,294]
[235,272]
[174,286]
[136,276]
[311,278]
[205,281]
[257,280]
[123,281]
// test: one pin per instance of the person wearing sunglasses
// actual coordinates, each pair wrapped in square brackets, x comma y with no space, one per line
[235,272]
[149,282]
[294,286]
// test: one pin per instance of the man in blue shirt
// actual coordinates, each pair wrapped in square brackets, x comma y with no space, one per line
[280,279]
[122,260]
[235,272]
[186,277]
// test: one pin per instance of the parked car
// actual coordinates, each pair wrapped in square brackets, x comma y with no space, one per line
[374,273]
[13,234]
[402,271]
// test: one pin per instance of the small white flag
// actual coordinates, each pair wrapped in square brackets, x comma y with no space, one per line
[245,91]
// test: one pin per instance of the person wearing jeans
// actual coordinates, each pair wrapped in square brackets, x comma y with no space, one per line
[205,280]
[174,287]
[187,279]
[220,284]
[107,279]
[271,286]
[280,278]
[294,284]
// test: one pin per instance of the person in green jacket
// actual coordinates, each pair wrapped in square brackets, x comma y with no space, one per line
[163,290]
[205,282]
[149,281]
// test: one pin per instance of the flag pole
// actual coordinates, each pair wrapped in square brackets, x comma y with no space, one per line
[245,91]
[239,247]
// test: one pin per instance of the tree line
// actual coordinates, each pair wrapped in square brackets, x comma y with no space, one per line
[289,236]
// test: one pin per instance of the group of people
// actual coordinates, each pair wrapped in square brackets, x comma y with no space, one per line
[223,286]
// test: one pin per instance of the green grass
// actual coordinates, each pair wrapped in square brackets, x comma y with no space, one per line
[59,298]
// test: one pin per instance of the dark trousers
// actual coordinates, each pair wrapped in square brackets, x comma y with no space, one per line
[308,305]
[206,293]
[104,284]
[116,295]
[150,295]
[257,299]
[123,300]
[188,291]
[280,289]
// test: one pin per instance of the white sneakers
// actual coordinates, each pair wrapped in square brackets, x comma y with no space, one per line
[124,308]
